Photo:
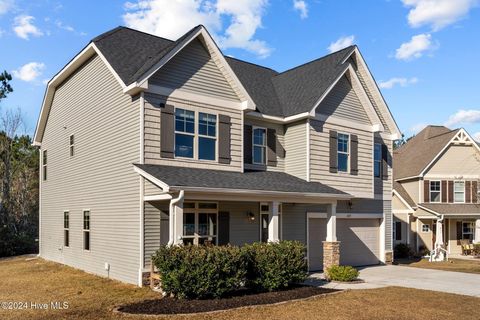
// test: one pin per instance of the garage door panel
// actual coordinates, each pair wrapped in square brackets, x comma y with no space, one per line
[359,241]
[317,232]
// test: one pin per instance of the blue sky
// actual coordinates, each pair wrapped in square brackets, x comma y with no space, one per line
[423,53]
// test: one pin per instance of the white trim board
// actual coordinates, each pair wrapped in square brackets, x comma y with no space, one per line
[323,215]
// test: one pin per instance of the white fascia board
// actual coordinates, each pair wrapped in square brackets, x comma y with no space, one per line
[159,183]
[408,178]
[90,50]
[461,131]
[276,119]
[429,210]
[397,132]
[342,215]
[403,200]
[262,192]
[247,105]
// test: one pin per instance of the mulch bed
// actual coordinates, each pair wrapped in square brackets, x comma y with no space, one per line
[169,305]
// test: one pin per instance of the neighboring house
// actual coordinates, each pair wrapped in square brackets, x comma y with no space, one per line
[436,189]
[147,141]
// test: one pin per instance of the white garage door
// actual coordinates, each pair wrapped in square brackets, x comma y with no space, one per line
[317,232]
[359,241]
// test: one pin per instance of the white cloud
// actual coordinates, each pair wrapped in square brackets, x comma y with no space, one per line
[302,7]
[6,6]
[437,13]
[476,136]
[463,116]
[29,72]
[403,82]
[341,43]
[63,26]
[23,27]
[171,19]
[415,48]
[418,127]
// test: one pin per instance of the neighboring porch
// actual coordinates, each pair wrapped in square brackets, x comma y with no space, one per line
[193,214]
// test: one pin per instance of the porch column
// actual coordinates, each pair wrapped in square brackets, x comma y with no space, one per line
[178,219]
[273,222]
[477,231]
[331,247]
[439,233]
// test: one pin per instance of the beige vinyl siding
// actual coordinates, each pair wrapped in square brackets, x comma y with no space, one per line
[296,149]
[99,177]
[358,185]
[398,204]
[156,228]
[294,221]
[150,189]
[279,129]
[413,189]
[388,216]
[343,102]
[152,133]
[360,206]
[193,70]
[457,160]
[425,238]
[242,230]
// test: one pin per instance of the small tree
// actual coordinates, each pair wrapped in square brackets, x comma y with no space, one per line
[5,87]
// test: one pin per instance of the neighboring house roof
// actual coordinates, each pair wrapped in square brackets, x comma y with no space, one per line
[451,208]
[404,194]
[182,177]
[414,156]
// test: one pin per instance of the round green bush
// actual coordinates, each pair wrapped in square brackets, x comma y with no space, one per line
[342,273]
[401,250]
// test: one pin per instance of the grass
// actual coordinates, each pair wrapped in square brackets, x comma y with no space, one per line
[458,265]
[92,297]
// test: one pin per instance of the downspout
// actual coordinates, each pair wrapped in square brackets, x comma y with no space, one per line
[171,220]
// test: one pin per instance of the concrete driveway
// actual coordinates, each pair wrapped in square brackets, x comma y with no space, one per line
[427,279]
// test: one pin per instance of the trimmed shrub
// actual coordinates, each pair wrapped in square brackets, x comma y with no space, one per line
[402,251]
[342,273]
[199,272]
[274,266]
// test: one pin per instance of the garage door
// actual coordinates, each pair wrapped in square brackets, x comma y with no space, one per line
[359,241]
[317,232]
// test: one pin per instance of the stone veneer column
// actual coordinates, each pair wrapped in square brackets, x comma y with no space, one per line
[331,254]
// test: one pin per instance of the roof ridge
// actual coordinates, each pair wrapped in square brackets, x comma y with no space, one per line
[316,60]
[441,134]
[107,33]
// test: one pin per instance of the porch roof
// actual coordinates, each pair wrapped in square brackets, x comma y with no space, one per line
[185,178]
[454,209]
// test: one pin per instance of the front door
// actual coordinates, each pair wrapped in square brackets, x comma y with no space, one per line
[264,227]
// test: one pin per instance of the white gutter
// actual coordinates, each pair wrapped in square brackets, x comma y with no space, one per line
[171,222]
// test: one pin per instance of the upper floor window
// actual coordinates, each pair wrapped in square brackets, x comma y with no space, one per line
[86,229]
[72,142]
[66,229]
[184,133]
[459,191]
[343,152]
[44,165]
[435,191]
[377,159]
[259,145]
[207,136]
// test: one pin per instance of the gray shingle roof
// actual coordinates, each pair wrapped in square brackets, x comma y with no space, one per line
[404,194]
[261,181]
[412,158]
[131,53]
[453,208]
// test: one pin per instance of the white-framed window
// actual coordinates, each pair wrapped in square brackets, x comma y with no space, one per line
[468,230]
[343,152]
[425,228]
[44,165]
[264,219]
[195,139]
[184,133]
[72,145]
[377,160]
[86,230]
[66,229]
[200,223]
[435,191]
[459,191]
[259,148]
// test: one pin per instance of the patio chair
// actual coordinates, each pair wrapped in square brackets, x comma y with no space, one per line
[467,247]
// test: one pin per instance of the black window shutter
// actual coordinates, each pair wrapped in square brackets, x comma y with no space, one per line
[398,231]
[450,191]
[354,155]
[444,191]
[224,139]
[167,131]
[333,152]
[247,144]
[426,191]
[384,162]
[459,232]
[272,147]
[223,228]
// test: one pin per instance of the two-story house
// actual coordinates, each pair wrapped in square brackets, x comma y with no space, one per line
[435,196]
[146,141]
